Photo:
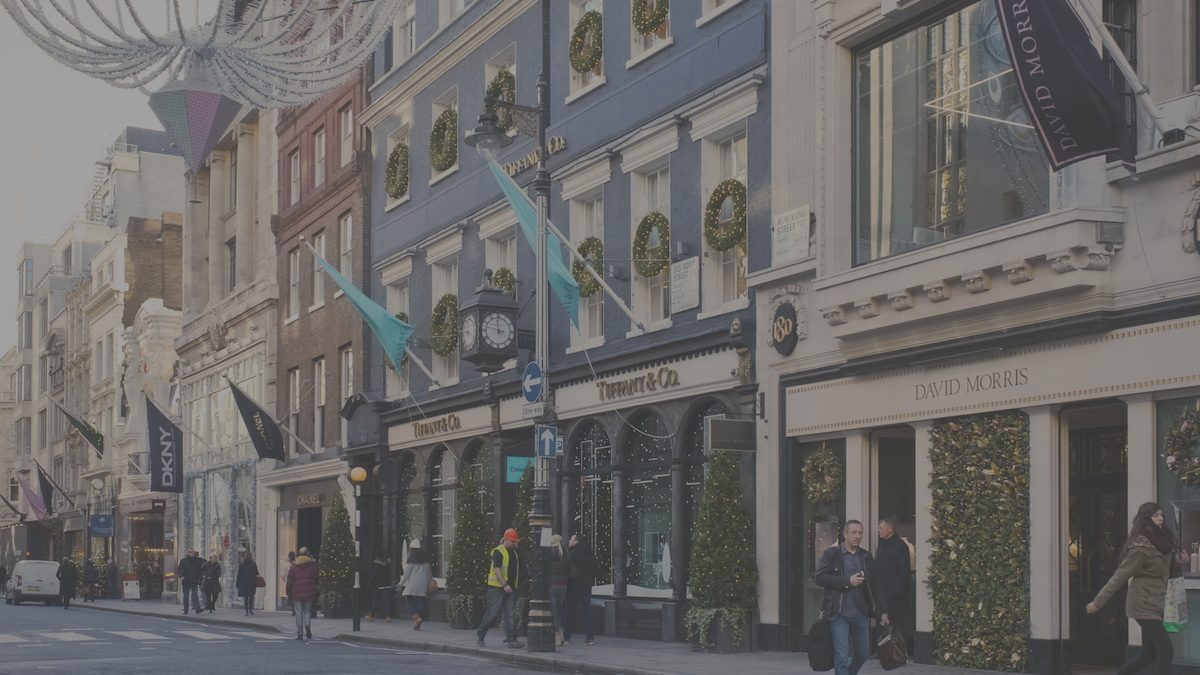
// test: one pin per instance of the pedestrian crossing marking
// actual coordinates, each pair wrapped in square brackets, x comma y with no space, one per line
[69,636]
[201,635]
[7,639]
[137,635]
[260,636]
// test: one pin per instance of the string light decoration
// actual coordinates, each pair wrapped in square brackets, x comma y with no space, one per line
[593,250]
[503,87]
[466,581]
[443,325]
[443,141]
[395,180]
[649,16]
[647,262]
[505,280]
[979,548]
[823,476]
[724,234]
[1181,440]
[335,567]
[587,42]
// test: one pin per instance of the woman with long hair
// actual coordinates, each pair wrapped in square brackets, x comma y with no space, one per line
[1145,567]
[560,575]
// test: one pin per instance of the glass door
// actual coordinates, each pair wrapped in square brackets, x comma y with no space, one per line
[811,528]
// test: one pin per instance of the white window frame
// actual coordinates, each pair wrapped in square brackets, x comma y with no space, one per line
[719,268]
[293,306]
[345,249]
[346,133]
[294,177]
[644,289]
[400,135]
[319,399]
[231,194]
[319,158]
[318,275]
[293,407]
[642,47]
[499,234]
[404,33]
[448,10]
[583,83]
[585,223]
[505,60]
[109,347]
[346,381]
[714,8]
[397,302]
[444,274]
[440,104]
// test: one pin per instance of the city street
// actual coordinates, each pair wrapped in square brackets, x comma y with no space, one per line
[38,638]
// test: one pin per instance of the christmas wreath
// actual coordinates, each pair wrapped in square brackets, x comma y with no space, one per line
[443,142]
[592,249]
[505,280]
[503,87]
[403,316]
[396,178]
[823,476]
[1182,437]
[723,235]
[443,325]
[649,17]
[649,262]
[587,42]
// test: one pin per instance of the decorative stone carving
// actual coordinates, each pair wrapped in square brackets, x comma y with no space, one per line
[834,316]
[1062,261]
[977,281]
[937,291]
[901,300]
[1018,271]
[1097,259]
[867,309]
[216,332]
[1190,216]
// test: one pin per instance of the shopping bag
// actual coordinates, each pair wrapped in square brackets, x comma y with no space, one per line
[820,646]
[260,582]
[891,649]
[1175,609]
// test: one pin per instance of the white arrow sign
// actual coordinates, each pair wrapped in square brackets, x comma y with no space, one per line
[531,382]
[547,441]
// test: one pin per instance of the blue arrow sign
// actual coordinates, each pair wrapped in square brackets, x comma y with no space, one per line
[531,382]
[546,438]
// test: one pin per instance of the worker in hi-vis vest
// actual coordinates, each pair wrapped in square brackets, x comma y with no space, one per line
[503,576]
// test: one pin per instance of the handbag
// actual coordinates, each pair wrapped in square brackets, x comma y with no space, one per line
[1175,609]
[891,649]
[820,645]
[260,582]
[432,588]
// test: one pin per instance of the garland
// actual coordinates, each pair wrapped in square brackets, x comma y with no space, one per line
[723,235]
[403,316]
[503,87]
[443,142]
[649,18]
[592,249]
[646,263]
[395,181]
[1181,438]
[443,325]
[505,280]
[586,54]
[823,476]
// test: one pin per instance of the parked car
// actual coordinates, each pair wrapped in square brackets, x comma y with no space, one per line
[32,580]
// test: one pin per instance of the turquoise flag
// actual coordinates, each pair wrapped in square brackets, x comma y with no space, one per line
[393,333]
[561,280]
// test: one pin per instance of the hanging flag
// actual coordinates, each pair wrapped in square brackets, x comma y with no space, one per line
[263,430]
[48,485]
[166,451]
[562,282]
[33,499]
[1065,86]
[89,432]
[392,333]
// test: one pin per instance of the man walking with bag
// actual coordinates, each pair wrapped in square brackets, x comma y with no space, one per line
[848,602]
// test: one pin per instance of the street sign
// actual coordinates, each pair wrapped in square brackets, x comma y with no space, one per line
[729,434]
[102,526]
[532,410]
[531,382]
[546,439]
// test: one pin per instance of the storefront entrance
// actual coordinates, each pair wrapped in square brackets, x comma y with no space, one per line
[810,528]
[308,529]
[1097,530]
[896,497]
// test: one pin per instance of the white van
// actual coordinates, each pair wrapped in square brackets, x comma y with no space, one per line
[32,580]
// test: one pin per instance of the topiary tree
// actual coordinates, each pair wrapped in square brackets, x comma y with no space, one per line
[466,581]
[724,575]
[337,562]
[520,523]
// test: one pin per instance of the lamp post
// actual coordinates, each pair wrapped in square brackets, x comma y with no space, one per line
[358,476]
[488,136]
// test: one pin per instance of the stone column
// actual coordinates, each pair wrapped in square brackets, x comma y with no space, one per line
[245,217]
[216,228]
[924,502]
[858,477]
[1047,540]
[1141,464]
[195,229]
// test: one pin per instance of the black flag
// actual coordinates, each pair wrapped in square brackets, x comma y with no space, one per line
[1067,92]
[263,430]
[89,432]
[46,489]
[166,451]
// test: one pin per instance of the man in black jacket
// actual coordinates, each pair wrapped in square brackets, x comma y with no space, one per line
[849,601]
[891,572]
[579,590]
[190,572]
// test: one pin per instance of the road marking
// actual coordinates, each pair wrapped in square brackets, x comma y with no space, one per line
[201,635]
[261,636]
[69,636]
[137,635]
[6,639]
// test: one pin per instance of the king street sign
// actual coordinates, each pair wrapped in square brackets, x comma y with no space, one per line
[546,440]
[531,382]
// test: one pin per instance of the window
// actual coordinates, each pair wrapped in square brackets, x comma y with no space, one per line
[591,512]
[400,137]
[293,407]
[110,272]
[231,187]
[346,246]
[14,488]
[24,435]
[318,275]
[397,303]
[445,280]
[346,127]
[447,101]
[67,260]
[108,354]
[294,178]
[25,276]
[441,508]
[41,426]
[647,43]
[731,264]
[98,361]
[319,158]
[500,251]
[43,374]
[346,366]
[648,518]
[404,32]
[448,9]
[1120,17]
[942,143]
[587,220]
[43,317]
[594,77]
[505,61]
[652,295]
[25,329]
[231,262]
[293,308]
[318,403]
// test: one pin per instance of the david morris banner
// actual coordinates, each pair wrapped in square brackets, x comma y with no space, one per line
[166,452]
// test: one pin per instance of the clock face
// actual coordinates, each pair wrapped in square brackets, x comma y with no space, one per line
[469,332]
[498,331]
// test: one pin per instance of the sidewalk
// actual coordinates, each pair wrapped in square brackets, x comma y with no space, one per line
[610,656]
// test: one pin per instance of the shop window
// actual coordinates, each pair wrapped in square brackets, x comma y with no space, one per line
[480,461]
[591,460]
[410,508]
[943,146]
[442,485]
[648,513]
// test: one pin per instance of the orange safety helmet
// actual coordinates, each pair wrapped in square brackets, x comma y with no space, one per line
[511,535]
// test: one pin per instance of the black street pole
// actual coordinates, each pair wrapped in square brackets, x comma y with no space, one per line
[354,603]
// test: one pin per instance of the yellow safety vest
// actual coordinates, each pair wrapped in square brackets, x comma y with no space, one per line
[506,568]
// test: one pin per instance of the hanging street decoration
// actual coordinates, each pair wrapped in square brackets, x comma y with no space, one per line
[395,180]
[587,42]
[443,325]
[649,16]
[724,231]
[592,249]
[443,141]
[503,87]
[647,260]
[195,115]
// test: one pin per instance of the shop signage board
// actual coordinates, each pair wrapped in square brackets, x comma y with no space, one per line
[721,433]
[102,526]
[784,335]
[685,284]
[789,236]
[514,468]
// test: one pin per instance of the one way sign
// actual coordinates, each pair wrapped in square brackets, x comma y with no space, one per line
[546,438]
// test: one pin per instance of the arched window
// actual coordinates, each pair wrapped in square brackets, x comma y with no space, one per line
[481,461]
[693,471]
[410,516]
[591,458]
[441,508]
[648,510]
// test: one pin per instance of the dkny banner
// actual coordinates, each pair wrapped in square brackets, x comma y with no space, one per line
[1066,88]
[166,451]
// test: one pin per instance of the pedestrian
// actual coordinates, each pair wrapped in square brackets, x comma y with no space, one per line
[579,589]
[287,566]
[502,581]
[301,587]
[247,581]
[890,578]
[112,579]
[418,573]
[68,579]
[91,577]
[190,576]
[379,580]
[3,578]
[848,600]
[560,574]
[211,584]
[1145,567]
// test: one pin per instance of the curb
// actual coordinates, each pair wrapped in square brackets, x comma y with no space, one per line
[512,658]
[196,618]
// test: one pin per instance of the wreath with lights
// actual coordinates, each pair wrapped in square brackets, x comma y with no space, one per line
[403,316]
[649,17]
[650,263]
[723,235]
[1181,439]
[505,280]
[443,141]
[503,87]
[823,476]
[592,249]
[587,42]
[395,181]
[443,325]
